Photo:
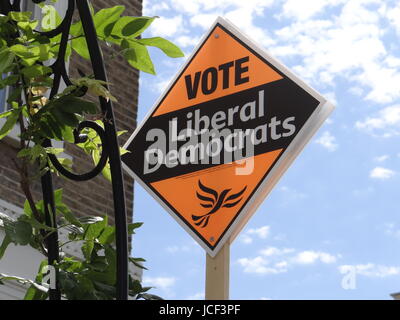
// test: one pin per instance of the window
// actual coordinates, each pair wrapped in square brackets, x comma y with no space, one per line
[28,5]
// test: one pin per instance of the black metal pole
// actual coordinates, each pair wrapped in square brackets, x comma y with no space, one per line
[47,180]
[113,148]
[52,238]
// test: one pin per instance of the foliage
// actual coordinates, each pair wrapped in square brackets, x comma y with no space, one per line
[92,277]
[26,57]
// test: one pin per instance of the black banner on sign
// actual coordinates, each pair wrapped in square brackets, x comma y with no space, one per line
[184,141]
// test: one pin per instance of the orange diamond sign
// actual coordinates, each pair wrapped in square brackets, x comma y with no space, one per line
[216,142]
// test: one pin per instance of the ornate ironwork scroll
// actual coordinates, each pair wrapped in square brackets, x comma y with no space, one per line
[108,136]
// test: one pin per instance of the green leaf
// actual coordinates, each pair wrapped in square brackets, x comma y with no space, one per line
[138,262]
[68,215]
[27,209]
[71,104]
[19,232]
[131,27]
[135,286]
[148,296]
[81,48]
[27,152]
[106,170]
[121,132]
[55,126]
[28,26]
[4,245]
[23,232]
[43,52]
[6,59]
[21,51]
[3,19]
[36,224]
[10,123]
[46,130]
[34,294]
[20,16]
[36,71]
[5,114]
[54,151]
[15,95]
[76,29]
[9,81]
[96,87]
[106,17]
[94,230]
[123,151]
[87,249]
[133,226]
[108,235]
[138,56]
[170,49]
[68,134]
[64,118]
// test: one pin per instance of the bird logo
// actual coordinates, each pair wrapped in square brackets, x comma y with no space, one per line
[215,201]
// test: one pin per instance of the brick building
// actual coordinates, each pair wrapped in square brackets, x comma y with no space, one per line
[92,197]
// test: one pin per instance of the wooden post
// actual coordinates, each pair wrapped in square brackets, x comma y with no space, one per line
[217,275]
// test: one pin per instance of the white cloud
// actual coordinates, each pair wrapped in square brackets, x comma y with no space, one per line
[202,13]
[274,260]
[273,251]
[304,10]
[393,15]
[385,123]
[348,44]
[259,265]
[328,141]
[331,96]
[381,173]
[160,85]
[187,41]
[382,158]
[344,43]
[371,270]
[357,91]
[152,9]
[167,27]
[164,283]
[311,257]
[244,238]
[392,230]
[261,233]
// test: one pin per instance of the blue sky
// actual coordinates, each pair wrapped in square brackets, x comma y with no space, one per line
[330,229]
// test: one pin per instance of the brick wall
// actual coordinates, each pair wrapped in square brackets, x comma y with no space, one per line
[92,197]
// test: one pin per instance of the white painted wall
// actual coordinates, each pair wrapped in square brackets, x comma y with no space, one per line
[21,261]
